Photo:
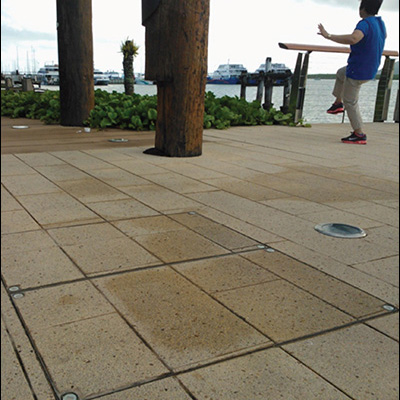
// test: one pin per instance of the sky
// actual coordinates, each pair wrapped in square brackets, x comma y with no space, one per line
[241,32]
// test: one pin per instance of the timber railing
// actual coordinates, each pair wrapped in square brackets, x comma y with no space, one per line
[299,79]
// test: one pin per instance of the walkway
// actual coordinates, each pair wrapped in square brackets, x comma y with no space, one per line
[129,277]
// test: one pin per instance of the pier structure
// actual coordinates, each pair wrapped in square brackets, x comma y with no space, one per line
[299,81]
[294,85]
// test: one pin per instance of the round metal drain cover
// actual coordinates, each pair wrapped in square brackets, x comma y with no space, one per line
[70,396]
[118,140]
[20,127]
[341,231]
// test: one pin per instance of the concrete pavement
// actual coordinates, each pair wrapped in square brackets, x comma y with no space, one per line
[131,277]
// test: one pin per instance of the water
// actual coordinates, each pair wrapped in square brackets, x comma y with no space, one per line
[318,98]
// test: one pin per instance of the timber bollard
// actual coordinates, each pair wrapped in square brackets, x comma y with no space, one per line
[75,55]
[243,84]
[260,86]
[384,91]
[176,59]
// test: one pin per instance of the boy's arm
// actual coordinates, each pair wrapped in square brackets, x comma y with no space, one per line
[352,39]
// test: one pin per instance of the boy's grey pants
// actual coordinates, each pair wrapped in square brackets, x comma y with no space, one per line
[349,90]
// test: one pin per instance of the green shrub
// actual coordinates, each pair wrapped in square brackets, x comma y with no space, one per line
[139,113]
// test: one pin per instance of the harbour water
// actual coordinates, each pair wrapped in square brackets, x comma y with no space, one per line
[318,97]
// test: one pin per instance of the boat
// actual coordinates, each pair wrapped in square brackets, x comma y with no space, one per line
[274,68]
[100,78]
[113,76]
[140,79]
[226,74]
[280,73]
[49,75]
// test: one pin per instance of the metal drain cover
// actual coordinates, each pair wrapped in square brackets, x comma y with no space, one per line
[118,140]
[70,396]
[341,231]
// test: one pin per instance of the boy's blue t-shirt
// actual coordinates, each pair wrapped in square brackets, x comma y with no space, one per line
[366,55]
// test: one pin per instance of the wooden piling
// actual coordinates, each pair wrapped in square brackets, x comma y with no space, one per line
[384,91]
[260,86]
[269,88]
[302,89]
[176,58]
[75,55]
[294,94]
[396,109]
[287,87]
[243,84]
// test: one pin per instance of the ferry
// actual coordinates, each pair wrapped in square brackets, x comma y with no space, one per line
[113,76]
[100,78]
[280,73]
[49,75]
[140,79]
[226,74]
[274,68]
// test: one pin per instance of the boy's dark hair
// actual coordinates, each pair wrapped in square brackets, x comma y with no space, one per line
[372,7]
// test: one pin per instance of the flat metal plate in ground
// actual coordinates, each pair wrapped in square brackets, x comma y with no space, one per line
[342,231]
[119,140]
[20,127]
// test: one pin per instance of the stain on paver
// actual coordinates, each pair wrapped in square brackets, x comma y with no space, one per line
[181,323]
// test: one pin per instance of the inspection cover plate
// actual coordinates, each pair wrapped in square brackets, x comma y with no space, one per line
[118,140]
[341,231]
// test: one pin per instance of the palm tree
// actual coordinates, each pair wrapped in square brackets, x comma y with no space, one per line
[129,51]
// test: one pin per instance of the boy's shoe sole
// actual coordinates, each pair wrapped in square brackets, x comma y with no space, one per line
[355,139]
[337,111]
[361,141]
[337,108]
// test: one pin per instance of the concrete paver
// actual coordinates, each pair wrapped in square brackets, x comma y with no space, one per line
[365,354]
[13,382]
[272,374]
[142,277]
[183,325]
[282,311]
[167,389]
[343,296]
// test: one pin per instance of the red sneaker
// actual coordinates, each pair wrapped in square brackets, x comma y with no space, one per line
[337,108]
[354,138]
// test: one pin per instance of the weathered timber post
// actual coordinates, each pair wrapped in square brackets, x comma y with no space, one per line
[286,95]
[268,83]
[260,86]
[302,88]
[396,108]
[269,87]
[294,93]
[298,90]
[243,83]
[75,57]
[176,58]
[384,91]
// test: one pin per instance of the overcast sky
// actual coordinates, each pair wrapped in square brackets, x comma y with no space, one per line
[243,32]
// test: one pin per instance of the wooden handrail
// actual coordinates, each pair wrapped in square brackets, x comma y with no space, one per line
[328,49]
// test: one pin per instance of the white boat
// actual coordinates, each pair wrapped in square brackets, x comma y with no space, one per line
[49,75]
[100,78]
[140,79]
[226,74]
[274,68]
[113,76]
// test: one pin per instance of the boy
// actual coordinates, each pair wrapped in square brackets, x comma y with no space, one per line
[367,43]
